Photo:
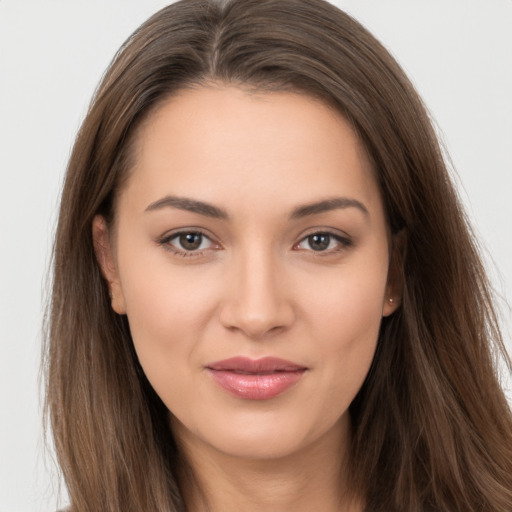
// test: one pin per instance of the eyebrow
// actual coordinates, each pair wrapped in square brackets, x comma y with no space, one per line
[190,205]
[209,210]
[335,203]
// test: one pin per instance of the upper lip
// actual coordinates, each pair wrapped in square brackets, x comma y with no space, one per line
[248,365]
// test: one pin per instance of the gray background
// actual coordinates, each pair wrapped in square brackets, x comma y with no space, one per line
[52,54]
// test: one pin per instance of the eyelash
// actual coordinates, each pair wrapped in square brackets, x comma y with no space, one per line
[165,241]
[344,242]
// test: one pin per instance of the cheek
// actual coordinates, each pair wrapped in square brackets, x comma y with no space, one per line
[166,312]
[345,322]
[349,304]
[166,323]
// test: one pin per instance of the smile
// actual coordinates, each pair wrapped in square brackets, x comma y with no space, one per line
[259,379]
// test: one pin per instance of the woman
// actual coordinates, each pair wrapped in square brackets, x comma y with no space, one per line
[266,294]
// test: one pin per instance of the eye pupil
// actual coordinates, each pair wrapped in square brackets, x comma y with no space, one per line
[191,241]
[319,241]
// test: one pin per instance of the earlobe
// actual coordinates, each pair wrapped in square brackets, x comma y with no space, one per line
[390,306]
[394,288]
[102,248]
[106,261]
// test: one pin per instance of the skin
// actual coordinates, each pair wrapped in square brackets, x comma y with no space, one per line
[256,287]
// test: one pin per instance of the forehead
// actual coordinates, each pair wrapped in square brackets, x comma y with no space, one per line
[224,144]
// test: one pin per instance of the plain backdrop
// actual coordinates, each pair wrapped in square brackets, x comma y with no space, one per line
[458,53]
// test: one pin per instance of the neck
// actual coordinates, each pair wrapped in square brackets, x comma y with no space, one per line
[313,478]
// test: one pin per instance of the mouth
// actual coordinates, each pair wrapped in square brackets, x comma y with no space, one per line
[255,379]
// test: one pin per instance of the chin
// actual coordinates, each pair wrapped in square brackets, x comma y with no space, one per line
[262,436]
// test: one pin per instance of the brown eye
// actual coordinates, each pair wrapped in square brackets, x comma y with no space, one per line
[319,241]
[323,241]
[190,241]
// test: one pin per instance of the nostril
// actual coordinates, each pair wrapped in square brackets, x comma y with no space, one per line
[257,325]
[256,301]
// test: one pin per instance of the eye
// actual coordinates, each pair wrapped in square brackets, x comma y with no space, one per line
[186,243]
[323,241]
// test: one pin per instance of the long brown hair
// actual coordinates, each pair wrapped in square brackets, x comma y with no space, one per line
[432,428]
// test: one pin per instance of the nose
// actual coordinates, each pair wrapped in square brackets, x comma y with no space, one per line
[258,302]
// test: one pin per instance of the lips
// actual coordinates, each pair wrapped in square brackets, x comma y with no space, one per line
[255,379]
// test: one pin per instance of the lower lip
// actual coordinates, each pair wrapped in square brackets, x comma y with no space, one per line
[256,386]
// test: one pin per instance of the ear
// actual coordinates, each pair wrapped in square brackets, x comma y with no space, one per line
[107,262]
[395,284]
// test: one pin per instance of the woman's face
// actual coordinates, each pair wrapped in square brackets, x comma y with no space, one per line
[250,253]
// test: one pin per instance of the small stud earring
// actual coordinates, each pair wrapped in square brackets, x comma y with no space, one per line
[390,300]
